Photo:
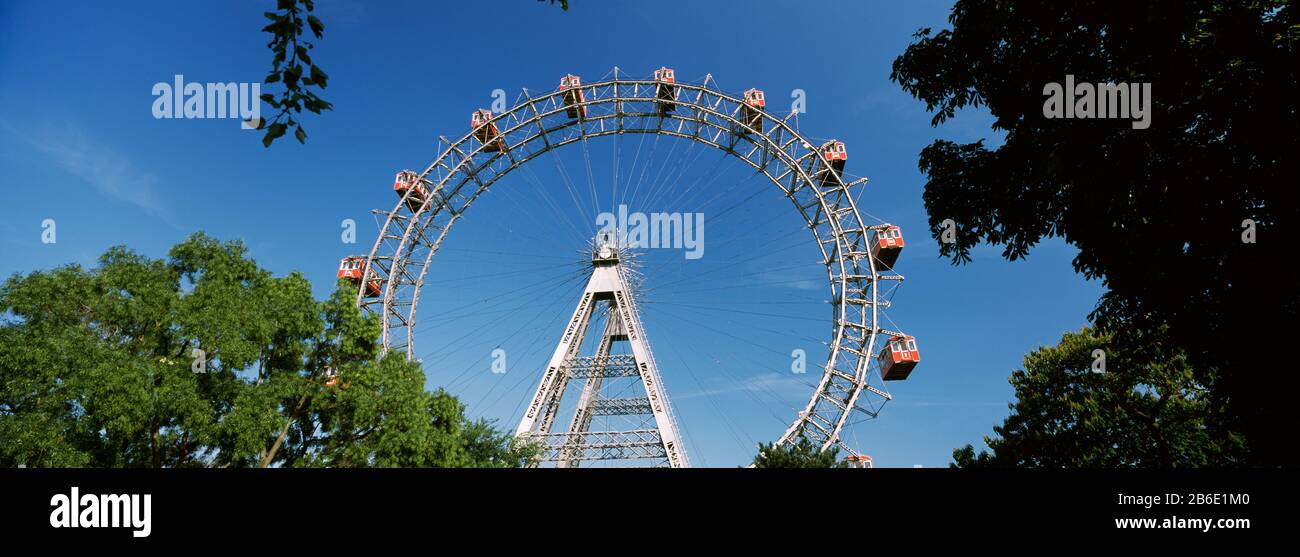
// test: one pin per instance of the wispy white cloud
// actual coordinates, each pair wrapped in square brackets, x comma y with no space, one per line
[110,173]
[341,11]
[888,100]
[793,279]
[767,383]
[950,403]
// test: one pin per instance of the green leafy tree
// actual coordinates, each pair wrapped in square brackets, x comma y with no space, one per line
[1067,414]
[1191,224]
[801,454]
[205,359]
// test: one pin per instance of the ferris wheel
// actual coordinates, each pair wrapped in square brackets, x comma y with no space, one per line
[858,255]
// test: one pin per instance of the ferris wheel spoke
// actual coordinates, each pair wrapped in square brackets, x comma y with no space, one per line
[652,187]
[726,265]
[645,167]
[460,346]
[657,185]
[505,297]
[495,341]
[749,389]
[532,349]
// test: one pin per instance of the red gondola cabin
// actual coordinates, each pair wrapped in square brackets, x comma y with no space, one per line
[898,357]
[834,155]
[858,461]
[485,130]
[331,376]
[571,85]
[886,244]
[409,180]
[353,269]
[666,89]
[751,111]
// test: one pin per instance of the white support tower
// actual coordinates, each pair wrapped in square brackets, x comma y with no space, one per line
[649,431]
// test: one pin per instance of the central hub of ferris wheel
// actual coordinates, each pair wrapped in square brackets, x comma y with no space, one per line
[636,427]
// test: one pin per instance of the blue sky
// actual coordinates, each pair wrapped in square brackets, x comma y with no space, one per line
[78,144]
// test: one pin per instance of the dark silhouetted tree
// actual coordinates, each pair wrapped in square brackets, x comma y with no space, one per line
[1191,223]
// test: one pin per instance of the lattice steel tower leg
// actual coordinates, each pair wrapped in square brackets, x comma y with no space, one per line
[655,439]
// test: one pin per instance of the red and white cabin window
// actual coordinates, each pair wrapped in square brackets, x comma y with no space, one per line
[480,117]
[898,358]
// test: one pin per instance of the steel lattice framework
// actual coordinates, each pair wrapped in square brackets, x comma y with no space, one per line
[464,169]
[608,289]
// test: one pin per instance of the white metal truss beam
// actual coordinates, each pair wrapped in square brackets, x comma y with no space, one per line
[607,287]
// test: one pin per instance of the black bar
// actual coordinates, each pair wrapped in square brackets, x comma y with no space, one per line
[324,507]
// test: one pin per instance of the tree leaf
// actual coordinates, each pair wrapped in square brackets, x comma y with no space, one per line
[273,132]
[319,76]
[317,28]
